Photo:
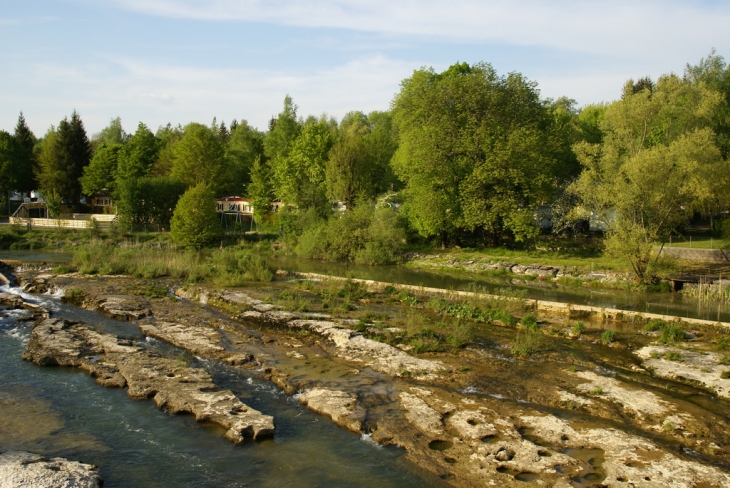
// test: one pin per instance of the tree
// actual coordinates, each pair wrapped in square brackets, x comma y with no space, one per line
[148,201]
[260,189]
[283,131]
[657,164]
[27,168]
[199,157]
[63,162]
[299,177]
[101,173]
[195,221]
[714,72]
[111,134]
[245,144]
[478,152]
[138,154]
[348,170]
[9,161]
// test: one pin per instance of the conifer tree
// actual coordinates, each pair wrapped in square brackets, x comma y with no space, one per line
[27,165]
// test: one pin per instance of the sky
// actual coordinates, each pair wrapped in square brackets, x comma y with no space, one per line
[180,61]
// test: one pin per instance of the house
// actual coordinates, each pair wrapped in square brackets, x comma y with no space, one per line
[102,203]
[234,205]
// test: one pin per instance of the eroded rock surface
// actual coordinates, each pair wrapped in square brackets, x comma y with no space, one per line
[340,406]
[28,470]
[171,385]
[703,367]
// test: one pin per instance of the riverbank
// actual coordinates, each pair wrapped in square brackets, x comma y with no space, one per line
[467,414]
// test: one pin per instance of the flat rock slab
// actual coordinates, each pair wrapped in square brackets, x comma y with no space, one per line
[702,367]
[340,406]
[28,470]
[172,386]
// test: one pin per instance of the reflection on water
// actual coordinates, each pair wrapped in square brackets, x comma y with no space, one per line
[63,412]
[652,302]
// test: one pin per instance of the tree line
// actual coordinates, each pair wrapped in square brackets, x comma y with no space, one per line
[464,156]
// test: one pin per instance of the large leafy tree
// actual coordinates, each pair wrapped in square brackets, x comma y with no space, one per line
[101,173]
[149,200]
[199,157]
[63,161]
[138,154]
[478,152]
[283,131]
[261,188]
[657,164]
[300,175]
[244,145]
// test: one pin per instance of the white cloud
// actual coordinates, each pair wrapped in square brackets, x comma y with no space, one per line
[157,94]
[629,28]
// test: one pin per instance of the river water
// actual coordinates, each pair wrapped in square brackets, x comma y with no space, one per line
[63,412]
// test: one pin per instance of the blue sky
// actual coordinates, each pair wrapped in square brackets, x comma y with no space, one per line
[160,61]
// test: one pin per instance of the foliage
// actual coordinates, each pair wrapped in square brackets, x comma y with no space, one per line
[363,235]
[671,334]
[199,158]
[477,152]
[526,343]
[64,158]
[148,200]
[101,173]
[260,188]
[138,154]
[227,267]
[244,147]
[194,222]
[578,328]
[656,165]
[607,337]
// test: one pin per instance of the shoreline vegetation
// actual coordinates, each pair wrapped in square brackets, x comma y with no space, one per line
[241,258]
[464,159]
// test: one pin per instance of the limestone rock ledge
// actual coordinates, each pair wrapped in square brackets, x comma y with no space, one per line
[172,385]
[20,468]
[340,406]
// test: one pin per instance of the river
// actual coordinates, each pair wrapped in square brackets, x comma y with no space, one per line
[63,412]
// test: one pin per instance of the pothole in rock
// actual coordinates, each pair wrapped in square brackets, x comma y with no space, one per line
[591,463]
[439,445]
[518,475]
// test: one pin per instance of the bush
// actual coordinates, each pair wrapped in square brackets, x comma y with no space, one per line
[671,334]
[363,235]
[578,328]
[195,222]
[607,337]
[529,322]
[461,334]
[654,325]
[526,343]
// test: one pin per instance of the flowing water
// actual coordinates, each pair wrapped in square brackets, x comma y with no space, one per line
[63,412]
[652,302]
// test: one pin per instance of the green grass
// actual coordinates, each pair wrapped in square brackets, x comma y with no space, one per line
[673,356]
[607,337]
[229,267]
[699,243]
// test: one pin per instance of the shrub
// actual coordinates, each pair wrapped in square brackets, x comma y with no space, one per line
[530,322]
[607,337]
[526,343]
[578,328]
[426,344]
[504,316]
[654,325]
[195,223]
[671,334]
[725,375]
[461,334]
[390,290]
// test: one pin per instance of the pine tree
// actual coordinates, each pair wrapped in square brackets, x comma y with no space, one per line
[64,160]
[27,165]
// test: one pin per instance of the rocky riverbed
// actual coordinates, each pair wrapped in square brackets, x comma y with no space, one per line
[577,414]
